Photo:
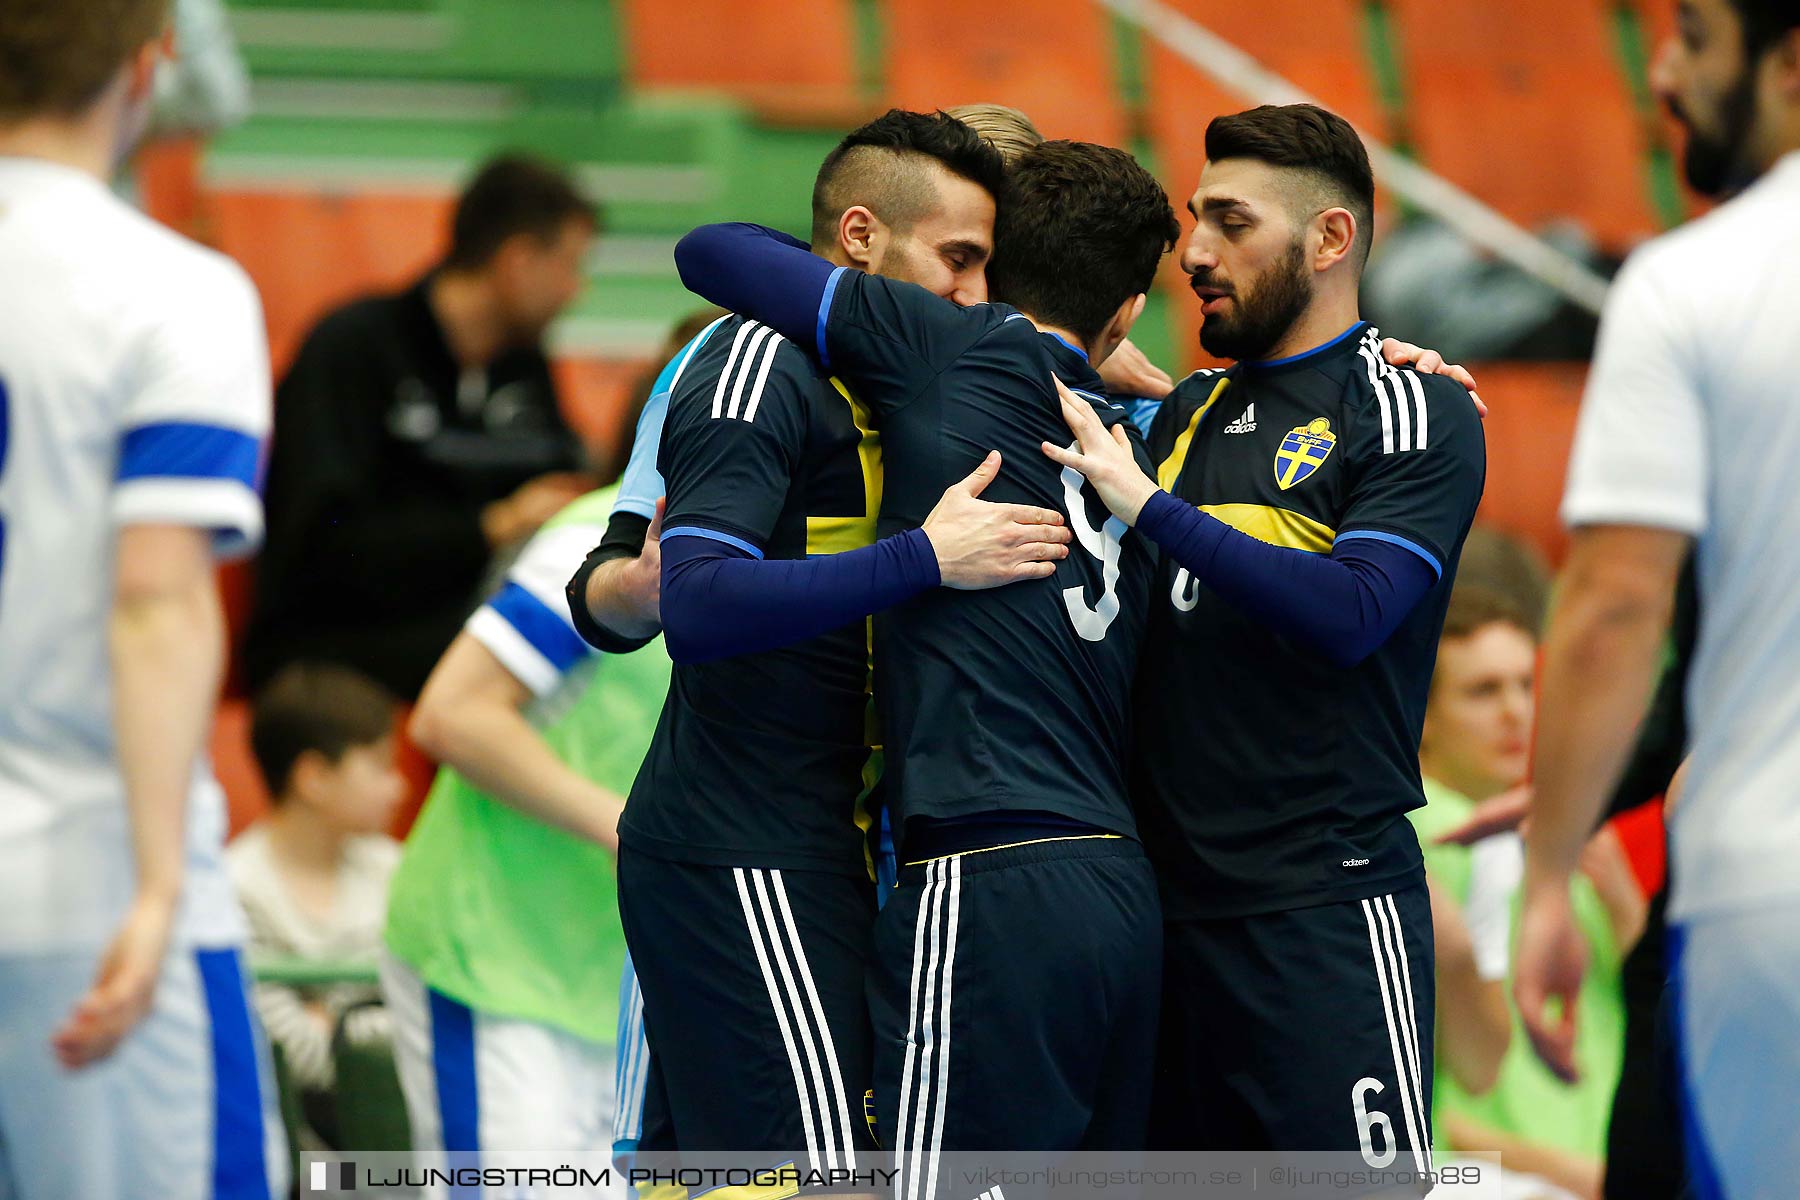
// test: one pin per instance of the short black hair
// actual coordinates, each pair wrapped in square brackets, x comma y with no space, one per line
[1764,22]
[315,706]
[1306,138]
[878,164]
[1082,231]
[510,195]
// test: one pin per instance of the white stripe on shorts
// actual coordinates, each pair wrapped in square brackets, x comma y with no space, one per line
[1393,1009]
[920,1137]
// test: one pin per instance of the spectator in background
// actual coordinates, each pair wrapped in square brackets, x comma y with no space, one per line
[1476,734]
[1502,564]
[1644,1137]
[417,434]
[1491,1092]
[313,874]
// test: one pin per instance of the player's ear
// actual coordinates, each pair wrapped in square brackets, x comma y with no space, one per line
[509,259]
[141,68]
[1119,327]
[859,231]
[310,776]
[1335,229]
[1129,312]
[1783,67]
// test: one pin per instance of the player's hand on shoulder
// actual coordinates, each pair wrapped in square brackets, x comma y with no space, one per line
[1104,456]
[1128,371]
[1430,362]
[123,987]
[981,545]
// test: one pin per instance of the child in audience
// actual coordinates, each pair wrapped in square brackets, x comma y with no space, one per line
[1490,1091]
[313,873]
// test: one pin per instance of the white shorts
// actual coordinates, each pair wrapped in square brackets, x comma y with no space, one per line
[488,1084]
[186,1106]
[1735,981]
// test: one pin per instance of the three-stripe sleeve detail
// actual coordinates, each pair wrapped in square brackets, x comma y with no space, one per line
[1399,395]
[739,391]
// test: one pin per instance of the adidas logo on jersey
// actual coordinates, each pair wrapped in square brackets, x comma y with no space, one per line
[1246,422]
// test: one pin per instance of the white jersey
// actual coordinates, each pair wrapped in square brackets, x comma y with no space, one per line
[134,389]
[1692,422]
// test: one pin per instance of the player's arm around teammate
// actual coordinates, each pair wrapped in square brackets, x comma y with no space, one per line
[966,543]
[616,597]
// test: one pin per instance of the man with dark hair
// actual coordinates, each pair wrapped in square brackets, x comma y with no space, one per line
[1006,710]
[745,872]
[1686,427]
[418,434]
[514,194]
[1309,543]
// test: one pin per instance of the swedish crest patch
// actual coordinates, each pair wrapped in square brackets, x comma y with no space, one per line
[1303,451]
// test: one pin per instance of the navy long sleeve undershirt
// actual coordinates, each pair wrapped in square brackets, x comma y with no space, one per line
[1345,605]
[762,273]
[719,600]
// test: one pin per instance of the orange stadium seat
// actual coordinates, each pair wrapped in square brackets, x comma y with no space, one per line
[1657,18]
[310,251]
[593,393]
[779,53]
[1529,430]
[1316,44]
[1050,58]
[1527,106]
[246,796]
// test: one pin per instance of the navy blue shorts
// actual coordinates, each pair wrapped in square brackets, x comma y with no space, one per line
[1013,994]
[1304,1030]
[753,1005]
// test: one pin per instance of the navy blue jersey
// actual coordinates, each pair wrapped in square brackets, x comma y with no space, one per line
[1266,777]
[1016,698]
[763,760]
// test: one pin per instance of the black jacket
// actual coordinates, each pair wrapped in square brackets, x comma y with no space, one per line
[383,456]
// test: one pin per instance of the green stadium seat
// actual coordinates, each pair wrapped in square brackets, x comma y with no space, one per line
[289,1100]
[571,43]
[371,1110]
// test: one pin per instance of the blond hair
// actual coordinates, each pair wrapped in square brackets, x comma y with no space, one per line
[1005,129]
